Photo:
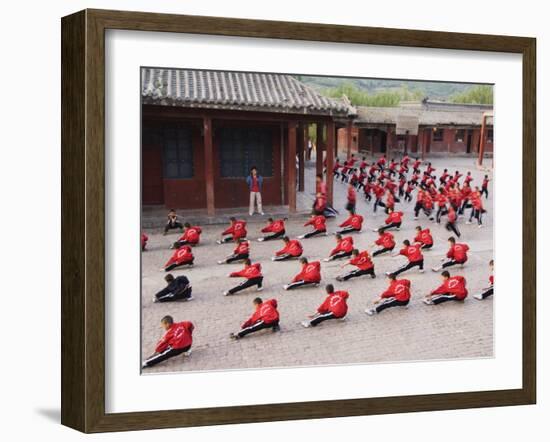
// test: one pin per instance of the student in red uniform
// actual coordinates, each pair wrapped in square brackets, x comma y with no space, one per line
[427,205]
[343,249]
[320,185]
[173,222]
[352,199]
[424,238]
[416,166]
[191,236]
[144,239]
[379,191]
[335,169]
[485,186]
[465,194]
[335,306]
[452,289]
[488,291]
[241,252]
[183,256]
[292,249]
[390,201]
[468,178]
[275,228]
[442,201]
[320,204]
[177,289]
[353,223]
[398,294]
[178,339]
[265,316]
[362,261]
[236,230]
[457,254]
[393,221]
[430,169]
[443,177]
[385,241]
[381,163]
[477,208]
[408,191]
[319,223]
[451,221]
[413,253]
[308,276]
[253,277]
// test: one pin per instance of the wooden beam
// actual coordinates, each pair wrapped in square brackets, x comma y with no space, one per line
[291,165]
[208,165]
[301,148]
[349,127]
[319,148]
[482,137]
[330,151]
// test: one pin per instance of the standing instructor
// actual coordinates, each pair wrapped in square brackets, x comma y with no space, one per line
[255,182]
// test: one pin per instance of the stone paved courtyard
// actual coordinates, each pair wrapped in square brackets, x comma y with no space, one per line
[450,330]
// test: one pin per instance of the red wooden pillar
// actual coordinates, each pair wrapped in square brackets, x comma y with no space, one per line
[330,160]
[208,165]
[319,148]
[291,166]
[301,156]
[482,137]
[349,128]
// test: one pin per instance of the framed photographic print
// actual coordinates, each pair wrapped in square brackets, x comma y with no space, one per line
[324,214]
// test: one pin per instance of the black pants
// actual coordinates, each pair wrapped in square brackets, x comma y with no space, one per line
[315,232]
[438,299]
[227,239]
[390,226]
[348,229]
[485,191]
[382,250]
[408,197]
[274,236]
[378,202]
[465,205]
[487,292]
[166,295]
[426,246]
[339,255]
[234,258]
[452,227]
[295,285]
[440,212]
[408,266]
[173,225]
[285,257]
[247,283]
[173,266]
[350,207]
[417,208]
[475,213]
[322,317]
[260,325]
[389,302]
[450,263]
[368,196]
[181,243]
[163,356]
[358,272]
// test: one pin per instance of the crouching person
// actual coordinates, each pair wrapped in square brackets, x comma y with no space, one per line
[177,340]
[292,249]
[308,276]
[240,253]
[177,289]
[264,316]
[183,256]
[397,294]
[452,289]
[253,277]
[335,306]
[363,263]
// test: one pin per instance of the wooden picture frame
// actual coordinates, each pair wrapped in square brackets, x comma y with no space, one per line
[83,210]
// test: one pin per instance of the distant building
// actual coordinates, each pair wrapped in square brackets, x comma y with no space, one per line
[203,130]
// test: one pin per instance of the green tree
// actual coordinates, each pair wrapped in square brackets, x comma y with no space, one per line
[481,94]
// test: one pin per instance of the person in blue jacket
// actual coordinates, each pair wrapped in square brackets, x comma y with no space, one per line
[255,181]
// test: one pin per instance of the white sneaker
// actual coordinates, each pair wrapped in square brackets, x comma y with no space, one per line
[375,230]
[420,270]
[259,289]
[260,239]
[370,311]
[416,217]
[435,269]
[189,299]
[480,226]
[479,297]
[301,237]
[218,241]
[155,299]
[272,258]
[306,324]
[187,353]
[226,293]
[221,262]
[326,233]
[427,301]
[343,319]
[262,213]
[285,287]
[326,260]
[468,222]
[250,213]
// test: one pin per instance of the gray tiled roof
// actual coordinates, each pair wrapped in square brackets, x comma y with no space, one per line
[236,91]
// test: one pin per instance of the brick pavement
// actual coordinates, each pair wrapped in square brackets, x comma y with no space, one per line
[448,331]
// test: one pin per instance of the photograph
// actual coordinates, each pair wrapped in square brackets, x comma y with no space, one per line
[293,220]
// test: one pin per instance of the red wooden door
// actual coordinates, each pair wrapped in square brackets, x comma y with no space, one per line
[152,185]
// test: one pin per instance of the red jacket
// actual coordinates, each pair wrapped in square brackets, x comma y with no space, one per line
[378,191]
[243,248]
[427,201]
[345,245]
[412,252]
[275,227]
[320,203]
[475,197]
[352,197]
[455,285]
[386,240]
[441,200]
[355,221]
[179,335]
[399,289]
[266,312]
[293,248]
[319,223]
[237,230]
[191,235]
[394,217]
[451,215]
[144,239]
[249,272]
[458,252]
[311,272]
[390,201]
[416,164]
[335,303]
[492,280]
[468,179]
[362,261]
[181,256]
[381,161]
[424,237]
